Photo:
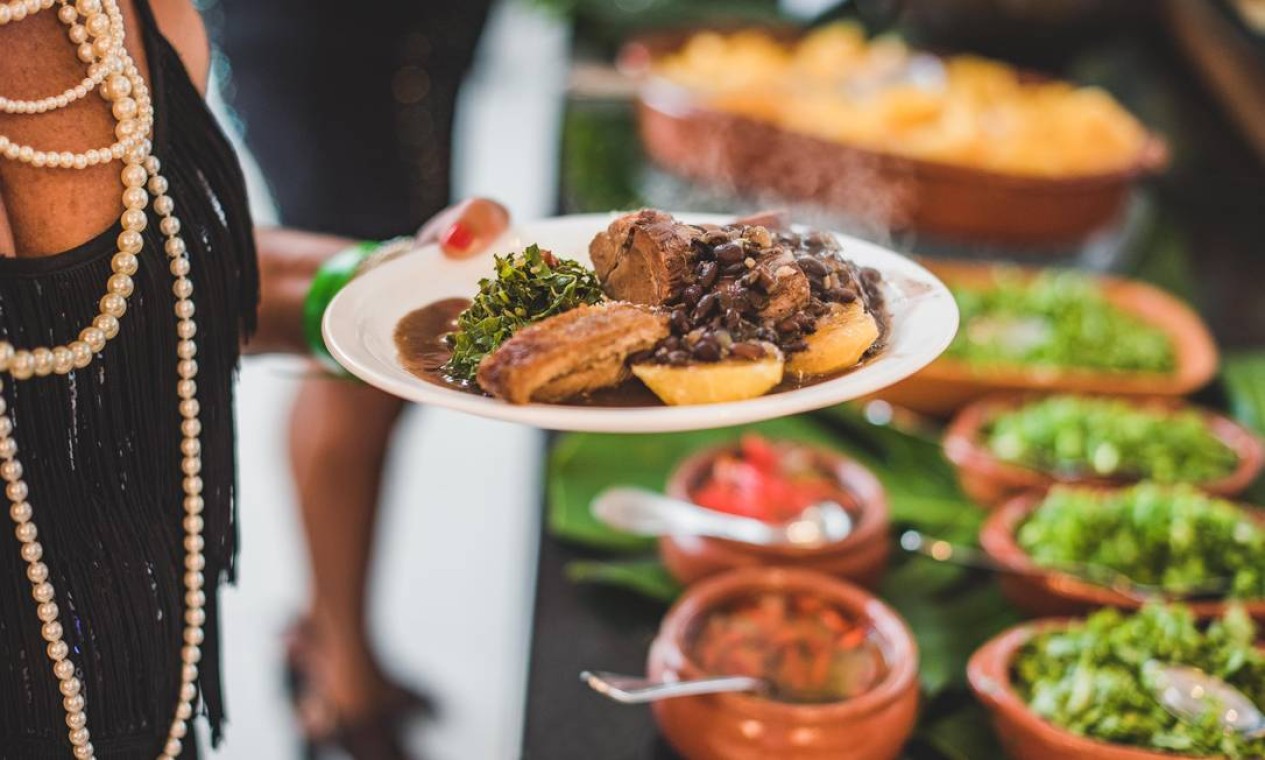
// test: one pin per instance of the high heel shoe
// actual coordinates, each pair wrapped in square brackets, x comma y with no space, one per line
[375,735]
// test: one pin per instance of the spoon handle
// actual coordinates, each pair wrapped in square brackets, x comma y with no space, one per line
[1097,575]
[647,513]
[969,556]
[955,554]
[632,690]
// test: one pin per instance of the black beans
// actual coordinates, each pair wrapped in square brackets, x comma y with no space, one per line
[691,295]
[793,346]
[680,322]
[707,274]
[704,308]
[841,295]
[812,267]
[707,350]
[717,237]
[732,319]
[678,357]
[788,325]
[729,253]
[748,351]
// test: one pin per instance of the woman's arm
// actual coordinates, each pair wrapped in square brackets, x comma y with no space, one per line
[288,260]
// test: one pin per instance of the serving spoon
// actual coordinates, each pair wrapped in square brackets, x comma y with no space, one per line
[1189,694]
[646,513]
[634,690]
[1098,575]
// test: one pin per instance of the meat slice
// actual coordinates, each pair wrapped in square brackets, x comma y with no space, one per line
[575,352]
[644,257]
[790,291]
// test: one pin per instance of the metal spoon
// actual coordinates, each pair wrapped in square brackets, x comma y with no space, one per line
[1098,575]
[647,513]
[632,690]
[1189,694]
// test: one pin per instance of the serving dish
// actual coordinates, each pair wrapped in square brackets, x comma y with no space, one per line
[360,323]
[948,384]
[1023,734]
[1059,595]
[687,135]
[989,481]
[860,558]
[871,726]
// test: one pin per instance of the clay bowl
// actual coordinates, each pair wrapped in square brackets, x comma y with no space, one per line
[1024,735]
[948,384]
[1059,595]
[861,557]
[989,481]
[686,136]
[872,726]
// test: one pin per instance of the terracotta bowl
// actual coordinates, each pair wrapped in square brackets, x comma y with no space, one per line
[989,481]
[1058,595]
[1024,735]
[861,557]
[688,137]
[948,384]
[872,726]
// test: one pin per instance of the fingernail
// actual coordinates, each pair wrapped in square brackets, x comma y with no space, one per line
[457,238]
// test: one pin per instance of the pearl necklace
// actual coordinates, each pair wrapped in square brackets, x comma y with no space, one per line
[100,39]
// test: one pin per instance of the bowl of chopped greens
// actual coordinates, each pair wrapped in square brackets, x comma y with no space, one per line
[1082,689]
[1167,539]
[1005,445]
[1050,330]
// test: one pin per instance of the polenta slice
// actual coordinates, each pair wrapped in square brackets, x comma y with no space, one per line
[843,336]
[728,380]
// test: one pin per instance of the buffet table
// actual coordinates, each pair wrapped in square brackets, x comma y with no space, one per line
[1196,231]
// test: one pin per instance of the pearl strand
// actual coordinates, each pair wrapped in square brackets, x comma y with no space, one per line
[22,514]
[121,83]
[98,41]
[62,359]
[16,10]
[140,170]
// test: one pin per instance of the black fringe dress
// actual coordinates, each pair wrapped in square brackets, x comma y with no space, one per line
[101,452]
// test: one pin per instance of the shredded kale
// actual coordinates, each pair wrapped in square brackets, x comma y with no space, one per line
[1058,319]
[1170,536]
[1076,435]
[528,287]
[1095,678]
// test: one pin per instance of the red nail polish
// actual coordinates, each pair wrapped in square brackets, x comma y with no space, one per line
[458,237]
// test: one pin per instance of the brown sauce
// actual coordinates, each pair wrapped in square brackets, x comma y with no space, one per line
[422,351]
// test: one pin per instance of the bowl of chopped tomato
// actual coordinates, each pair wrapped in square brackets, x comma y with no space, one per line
[774,481]
[840,669]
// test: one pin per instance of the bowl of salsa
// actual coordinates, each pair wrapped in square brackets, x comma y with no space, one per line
[840,669]
[774,481]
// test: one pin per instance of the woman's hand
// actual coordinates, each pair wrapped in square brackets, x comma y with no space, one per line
[467,228]
[288,260]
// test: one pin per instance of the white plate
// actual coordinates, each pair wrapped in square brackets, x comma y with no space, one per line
[360,321]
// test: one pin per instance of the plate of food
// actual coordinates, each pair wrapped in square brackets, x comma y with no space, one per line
[643,322]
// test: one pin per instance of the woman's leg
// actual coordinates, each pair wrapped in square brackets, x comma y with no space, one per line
[339,433]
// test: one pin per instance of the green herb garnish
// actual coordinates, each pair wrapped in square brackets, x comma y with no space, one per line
[1073,435]
[1057,319]
[528,287]
[1175,537]
[1095,677]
